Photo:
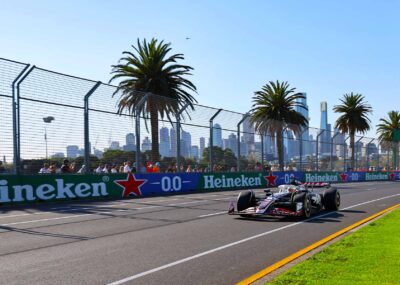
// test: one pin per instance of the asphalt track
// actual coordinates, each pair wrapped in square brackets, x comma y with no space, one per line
[185,239]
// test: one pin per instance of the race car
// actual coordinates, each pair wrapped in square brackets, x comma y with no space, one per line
[290,200]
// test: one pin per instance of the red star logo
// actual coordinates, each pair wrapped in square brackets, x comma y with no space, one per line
[271,179]
[392,176]
[131,185]
[343,176]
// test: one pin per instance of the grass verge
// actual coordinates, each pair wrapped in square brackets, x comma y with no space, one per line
[370,255]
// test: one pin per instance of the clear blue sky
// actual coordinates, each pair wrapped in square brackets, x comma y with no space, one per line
[324,48]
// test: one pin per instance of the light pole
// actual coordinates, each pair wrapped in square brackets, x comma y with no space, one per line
[47,120]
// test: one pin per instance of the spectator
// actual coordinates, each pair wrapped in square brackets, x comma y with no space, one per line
[82,169]
[53,168]
[107,168]
[99,169]
[171,168]
[156,167]
[2,168]
[149,167]
[114,169]
[258,167]
[73,168]
[45,169]
[65,168]
[142,168]
[127,167]
[189,168]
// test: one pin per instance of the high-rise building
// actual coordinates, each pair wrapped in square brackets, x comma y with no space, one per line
[146,144]
[248,136]
[130,144]
[164,142]
[202,146]
[194,152]
[325,128]
[114,145]
[233,143]
[217,135]
[186,144]
[73,151]
[172,135]
[305,133]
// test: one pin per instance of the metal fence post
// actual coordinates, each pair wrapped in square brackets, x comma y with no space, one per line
[301,149]
[356,162]
[345,154]
[368,152]
[14,116]
[238,139]
[17,138]
[262,150]
[138,109]
[178,135]
[86,127]
[317,148]
[210,151]
[331,160]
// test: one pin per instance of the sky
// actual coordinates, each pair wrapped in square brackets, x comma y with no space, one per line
[323,48]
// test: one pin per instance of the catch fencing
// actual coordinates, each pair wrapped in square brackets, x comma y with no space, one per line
[47,116]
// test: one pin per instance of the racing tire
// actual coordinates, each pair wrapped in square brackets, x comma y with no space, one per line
[246,200]
[331,199]
[305,199]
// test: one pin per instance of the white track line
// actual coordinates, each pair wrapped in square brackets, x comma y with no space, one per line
[213,214]
[180,261]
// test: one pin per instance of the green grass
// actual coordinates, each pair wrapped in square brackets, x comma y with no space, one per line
[371,255]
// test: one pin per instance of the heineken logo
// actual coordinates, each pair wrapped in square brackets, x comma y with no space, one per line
[376,176]
[323,177]
[55,189]
[220,181]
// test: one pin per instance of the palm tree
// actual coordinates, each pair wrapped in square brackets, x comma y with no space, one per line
[354,117]
[386,130]
[273,112]
[151,69]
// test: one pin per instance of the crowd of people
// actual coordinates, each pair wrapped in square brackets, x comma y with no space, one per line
[149,167]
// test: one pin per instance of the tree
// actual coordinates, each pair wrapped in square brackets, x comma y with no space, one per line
[354,117]
[386,130]
[273,111]
[150,69]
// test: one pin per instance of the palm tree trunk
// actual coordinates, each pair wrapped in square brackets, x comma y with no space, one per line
[279,144]
[352,139]
[155,154]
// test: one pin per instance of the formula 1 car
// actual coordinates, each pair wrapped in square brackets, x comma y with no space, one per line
[290,200]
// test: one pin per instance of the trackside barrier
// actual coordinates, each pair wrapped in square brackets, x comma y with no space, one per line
[36,188]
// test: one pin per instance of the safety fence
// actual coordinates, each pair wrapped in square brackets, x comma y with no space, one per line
[47,116]
[42,188]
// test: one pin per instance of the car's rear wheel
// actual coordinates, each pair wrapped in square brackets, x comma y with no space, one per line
[331,199]
[246,200]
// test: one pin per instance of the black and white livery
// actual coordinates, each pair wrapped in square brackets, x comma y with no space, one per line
[290,200]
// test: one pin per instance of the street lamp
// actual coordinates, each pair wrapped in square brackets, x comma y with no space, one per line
[47,120]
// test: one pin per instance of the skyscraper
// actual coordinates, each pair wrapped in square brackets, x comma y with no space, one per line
[306,145]
[146,144]
[129,142]
[164,142]
[248,136]
[172,134]
[217,135]
[186,144]
[324,139]
[202,146]
[233,144]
